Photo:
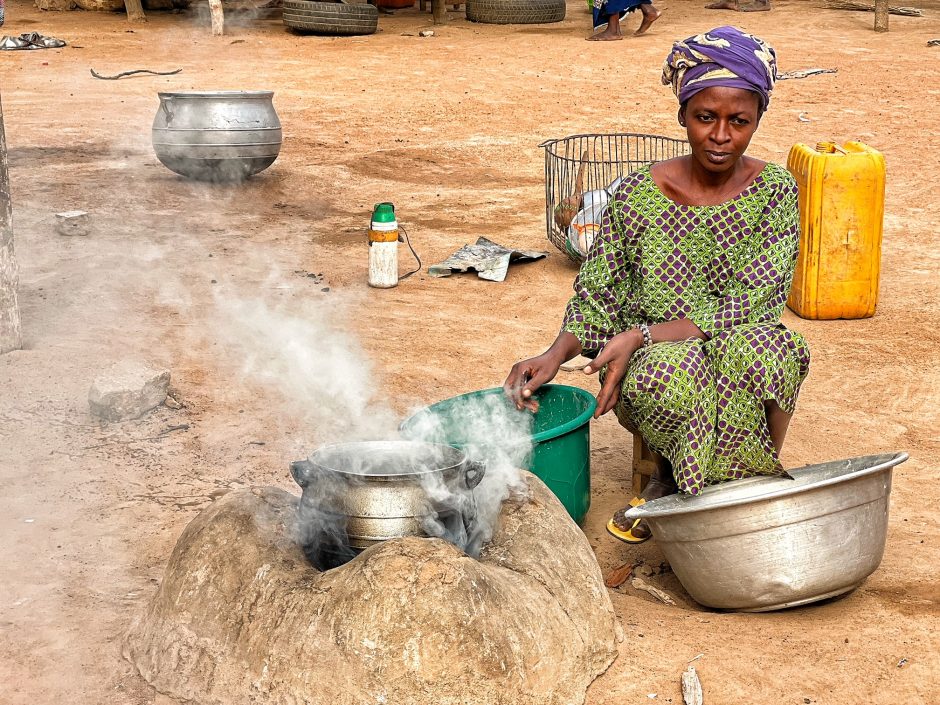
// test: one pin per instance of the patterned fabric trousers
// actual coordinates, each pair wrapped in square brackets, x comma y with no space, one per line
[701,404]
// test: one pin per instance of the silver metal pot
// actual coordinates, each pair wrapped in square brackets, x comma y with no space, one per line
[217,135]
[767,543]
[372,491]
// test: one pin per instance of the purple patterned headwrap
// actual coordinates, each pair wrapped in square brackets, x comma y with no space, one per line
[725,56]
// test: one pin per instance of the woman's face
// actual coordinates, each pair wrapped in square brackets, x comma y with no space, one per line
[720,122]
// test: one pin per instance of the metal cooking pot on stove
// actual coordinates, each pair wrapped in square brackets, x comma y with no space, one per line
[378,490]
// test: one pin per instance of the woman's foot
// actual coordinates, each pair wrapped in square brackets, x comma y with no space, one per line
[638,532]
[606,36]
[650,15]
[611,34]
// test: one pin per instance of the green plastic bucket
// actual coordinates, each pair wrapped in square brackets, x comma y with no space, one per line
[561,435]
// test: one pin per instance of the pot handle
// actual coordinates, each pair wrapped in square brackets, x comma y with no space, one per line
[165,105]
[474,474]
[303,472]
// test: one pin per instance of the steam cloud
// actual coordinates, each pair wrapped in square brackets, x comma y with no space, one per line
[493,432]
[321,374]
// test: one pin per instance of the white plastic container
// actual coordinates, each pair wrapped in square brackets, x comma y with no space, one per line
[383,247]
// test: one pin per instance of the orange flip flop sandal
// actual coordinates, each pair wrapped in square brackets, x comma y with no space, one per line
[627,536]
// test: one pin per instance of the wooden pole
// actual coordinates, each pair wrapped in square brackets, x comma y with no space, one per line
[881,15]
[218,18]
[135,11]
[11,337]
[439,11]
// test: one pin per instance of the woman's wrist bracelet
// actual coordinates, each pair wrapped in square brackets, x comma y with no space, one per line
[647,336]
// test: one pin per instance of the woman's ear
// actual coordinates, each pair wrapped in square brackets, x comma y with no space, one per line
[681,115]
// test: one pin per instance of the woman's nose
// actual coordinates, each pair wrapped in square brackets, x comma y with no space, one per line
[721,134]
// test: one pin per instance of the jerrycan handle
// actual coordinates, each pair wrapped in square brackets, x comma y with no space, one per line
[829,148]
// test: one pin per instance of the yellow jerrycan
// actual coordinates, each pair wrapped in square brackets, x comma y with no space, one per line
[842,196]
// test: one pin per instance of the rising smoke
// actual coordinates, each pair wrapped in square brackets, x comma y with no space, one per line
[320,373]
[492,432]
[317,371]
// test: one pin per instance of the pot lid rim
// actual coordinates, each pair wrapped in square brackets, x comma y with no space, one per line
[215,94]
[458,456]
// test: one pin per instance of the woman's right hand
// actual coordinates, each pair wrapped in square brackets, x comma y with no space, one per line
[616,356]
[527,376]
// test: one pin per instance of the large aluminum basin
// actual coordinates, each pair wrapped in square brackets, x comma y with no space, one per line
[767,543]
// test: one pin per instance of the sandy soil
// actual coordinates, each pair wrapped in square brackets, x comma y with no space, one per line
[448,128]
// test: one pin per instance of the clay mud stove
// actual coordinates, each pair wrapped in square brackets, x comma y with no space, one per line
[241,611]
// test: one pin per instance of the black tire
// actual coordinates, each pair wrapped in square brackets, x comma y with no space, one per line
[334,18]
[515,11]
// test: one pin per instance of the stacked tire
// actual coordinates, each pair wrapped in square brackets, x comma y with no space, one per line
[515,11]
[333,18]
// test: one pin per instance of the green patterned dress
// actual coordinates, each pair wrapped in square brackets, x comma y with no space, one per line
[728,269]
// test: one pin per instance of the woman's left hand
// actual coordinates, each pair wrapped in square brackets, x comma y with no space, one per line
[616,355]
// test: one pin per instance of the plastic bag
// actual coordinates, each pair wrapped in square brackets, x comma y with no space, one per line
[586,224]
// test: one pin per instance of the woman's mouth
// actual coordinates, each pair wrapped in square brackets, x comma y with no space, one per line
[718,157]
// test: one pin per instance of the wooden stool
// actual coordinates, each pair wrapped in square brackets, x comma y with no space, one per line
[645,464]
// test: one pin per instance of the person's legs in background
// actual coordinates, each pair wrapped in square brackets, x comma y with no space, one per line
[613,11]
[612,33]
[650,15]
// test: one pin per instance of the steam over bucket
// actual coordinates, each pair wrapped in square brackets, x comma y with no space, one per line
[561,436]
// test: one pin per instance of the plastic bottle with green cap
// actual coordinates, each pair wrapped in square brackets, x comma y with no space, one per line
[383,247]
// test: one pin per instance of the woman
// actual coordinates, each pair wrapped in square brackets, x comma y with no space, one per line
[679,299]
[610,12]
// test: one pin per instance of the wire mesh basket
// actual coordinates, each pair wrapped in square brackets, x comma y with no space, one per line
[598,159]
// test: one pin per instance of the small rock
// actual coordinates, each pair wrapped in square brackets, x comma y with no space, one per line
[128,390]
[72,223]
[171,403]
[426,33]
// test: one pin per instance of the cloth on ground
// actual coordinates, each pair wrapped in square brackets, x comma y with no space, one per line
[491,261]
[30,40]
[803,73]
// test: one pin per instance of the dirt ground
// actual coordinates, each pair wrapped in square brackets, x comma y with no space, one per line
[448,128]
